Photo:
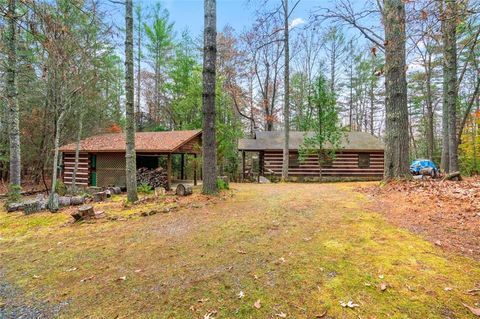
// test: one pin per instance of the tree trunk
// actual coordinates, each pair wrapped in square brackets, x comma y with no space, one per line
[396,133]
[77,150]
[131,162]
[450,90]
[209,73]
[11,92]
[139,67]
[286,107]
[430,138]
[52,202]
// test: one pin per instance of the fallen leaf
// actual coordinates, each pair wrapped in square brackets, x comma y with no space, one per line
[243,252]
[281,315]
[448,288]
[475,311]
[71,269]
[210,315]
[380,276]
[241,294]
[438,243]
[323,314]
[202,300]
[383,286]
[138,270]
[257,304]
[122,278]
[36,276]
[349,304]
[87,278]
[281,259]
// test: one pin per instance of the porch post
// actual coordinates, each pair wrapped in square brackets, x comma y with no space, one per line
[243,165]
[182,167]
[169,172]
[195,169]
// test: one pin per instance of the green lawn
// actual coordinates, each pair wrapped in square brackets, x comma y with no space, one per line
[298,249]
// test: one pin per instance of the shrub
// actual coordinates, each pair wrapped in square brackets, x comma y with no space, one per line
[144,188]
[222,184]
[60,188]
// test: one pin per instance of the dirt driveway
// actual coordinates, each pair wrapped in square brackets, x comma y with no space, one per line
[260,251]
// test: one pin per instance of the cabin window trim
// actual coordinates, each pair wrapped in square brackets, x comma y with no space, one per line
[363,160]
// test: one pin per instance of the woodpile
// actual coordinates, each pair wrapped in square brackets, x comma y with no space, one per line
[184,190]
[153,177]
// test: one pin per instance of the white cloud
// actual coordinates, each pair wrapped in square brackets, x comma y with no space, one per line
[296,22]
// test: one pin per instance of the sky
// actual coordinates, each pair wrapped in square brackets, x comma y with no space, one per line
[239,14]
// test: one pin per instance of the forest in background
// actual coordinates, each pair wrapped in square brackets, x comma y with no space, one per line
[70,76]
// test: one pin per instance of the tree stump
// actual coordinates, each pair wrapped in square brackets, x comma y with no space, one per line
[83,213]
[184,190]
[99,196]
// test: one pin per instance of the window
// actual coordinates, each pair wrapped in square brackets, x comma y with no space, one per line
[363,160]
[293,160]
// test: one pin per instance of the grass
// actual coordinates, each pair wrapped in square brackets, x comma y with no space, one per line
[300,249]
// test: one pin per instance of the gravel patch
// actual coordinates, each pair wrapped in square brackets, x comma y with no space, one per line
[14,305]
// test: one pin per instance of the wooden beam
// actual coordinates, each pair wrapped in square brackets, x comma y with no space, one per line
[243,166]
[169,172]
[195,169]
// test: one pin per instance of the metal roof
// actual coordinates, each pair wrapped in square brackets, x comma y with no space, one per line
[274,140]
[152,142]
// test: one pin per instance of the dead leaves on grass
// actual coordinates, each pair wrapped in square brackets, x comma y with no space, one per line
[475,311]
[257,304]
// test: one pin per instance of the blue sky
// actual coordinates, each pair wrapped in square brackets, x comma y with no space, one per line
[188,14]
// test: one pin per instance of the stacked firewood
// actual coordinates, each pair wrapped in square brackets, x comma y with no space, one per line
[156,177]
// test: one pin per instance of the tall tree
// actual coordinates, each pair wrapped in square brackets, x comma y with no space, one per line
[209,68]
[130,155]
[396,130]
[450,89]
[139,33]
[11,90]
[286,106]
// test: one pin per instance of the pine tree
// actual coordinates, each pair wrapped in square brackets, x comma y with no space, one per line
[131,163]
[209,73]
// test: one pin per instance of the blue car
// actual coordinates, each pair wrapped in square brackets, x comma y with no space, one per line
[424,167]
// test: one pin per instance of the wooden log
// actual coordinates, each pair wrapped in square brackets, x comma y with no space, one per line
[83,213]
[452,176]
[77,200]
[34,206]
[13,207]
[99,196]
[64,200]
[116,190]
[184,190]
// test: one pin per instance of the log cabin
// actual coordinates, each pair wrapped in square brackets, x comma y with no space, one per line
[102,157]
[360,156]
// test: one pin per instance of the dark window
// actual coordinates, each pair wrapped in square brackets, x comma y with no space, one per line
[363,160]
[293,160]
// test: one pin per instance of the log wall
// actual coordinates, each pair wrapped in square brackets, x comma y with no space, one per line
[83,173]
[344,165]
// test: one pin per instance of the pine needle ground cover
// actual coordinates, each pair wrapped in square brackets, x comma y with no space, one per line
[258,251]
